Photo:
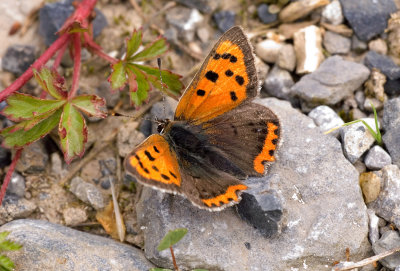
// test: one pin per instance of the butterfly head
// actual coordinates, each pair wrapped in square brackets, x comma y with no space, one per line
[161,124]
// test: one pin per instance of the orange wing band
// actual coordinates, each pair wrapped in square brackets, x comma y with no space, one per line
[267,153]
[230,195]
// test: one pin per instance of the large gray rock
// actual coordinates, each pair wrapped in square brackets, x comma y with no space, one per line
[334,80]
[388,241]
[320,195]
[48,246]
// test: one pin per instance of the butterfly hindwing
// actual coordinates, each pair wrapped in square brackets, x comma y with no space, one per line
[247,135]
[154,164]
[226,79]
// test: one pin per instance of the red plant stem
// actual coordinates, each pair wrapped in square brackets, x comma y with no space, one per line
[17,84]
[104,56]
[10,171]
[59,56]
[76,43]
[173,259]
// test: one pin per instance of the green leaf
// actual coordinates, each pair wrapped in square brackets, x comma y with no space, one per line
[143,86]
[6,264]
[73,133]
[151,51]
[118,76]
[90,105]
[8,245]
[172,80]
[3,235]
[23,106]
[15,136]
[133,43]
[378,132]
[171,238]
[51,82]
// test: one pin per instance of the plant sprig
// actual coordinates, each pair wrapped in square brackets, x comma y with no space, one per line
[6,245]
[377,135]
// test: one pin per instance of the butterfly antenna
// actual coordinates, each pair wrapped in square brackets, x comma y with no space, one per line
[162,86]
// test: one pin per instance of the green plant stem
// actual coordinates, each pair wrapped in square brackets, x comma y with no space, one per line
[76,42]
[173,259]
[9,174]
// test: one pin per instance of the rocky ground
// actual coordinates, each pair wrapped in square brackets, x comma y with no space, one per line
[328,198]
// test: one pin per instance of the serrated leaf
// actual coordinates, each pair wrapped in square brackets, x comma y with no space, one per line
[6,264]
[118,76]
[24,106]
[172,80]
[151,51]
[171,238]
[132,83]
[51,82]
[133,43]
[90,105]
[143,86]
[15,136]
[73,133]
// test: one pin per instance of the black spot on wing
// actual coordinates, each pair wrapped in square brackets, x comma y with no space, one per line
[226,55]
[172,174]
[148,154]
[271,152]
[239,79]
[155,149]
[155,168]
[217,56]
[233,96]
[200,92]
[233,59]
[212,76]
[228,73]
[165,177]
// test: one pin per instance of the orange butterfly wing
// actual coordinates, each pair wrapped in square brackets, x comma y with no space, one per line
[154,164]
[226,79]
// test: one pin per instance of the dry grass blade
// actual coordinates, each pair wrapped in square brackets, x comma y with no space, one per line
[370,260]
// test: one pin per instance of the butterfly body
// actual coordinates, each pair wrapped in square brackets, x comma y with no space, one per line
[218,136]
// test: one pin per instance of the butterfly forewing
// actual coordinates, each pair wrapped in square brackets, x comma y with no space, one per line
[226,79]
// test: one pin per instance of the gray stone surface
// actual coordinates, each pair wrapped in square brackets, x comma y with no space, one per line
[287,57]
[358,45]
[322,205]
[373,226]
[391,125]
[387,205]
[264,15]
[334,80]
[356,139]
[48,246]
[185,20]
[389,240]
[13,208]
[16,187]
[326,119]
[34,159]
[278,83]
[87,192]
[336,44]
[391,114]
[360,14]
[18,58]
[332,13]
[383,63]
[225,19]
[377,158]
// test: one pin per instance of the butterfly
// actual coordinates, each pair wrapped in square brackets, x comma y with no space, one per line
[218,136]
